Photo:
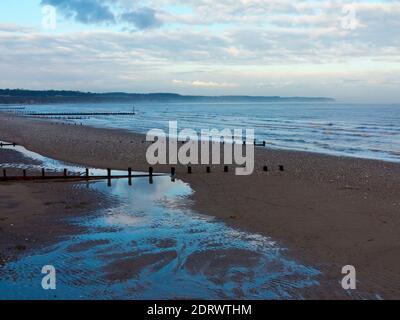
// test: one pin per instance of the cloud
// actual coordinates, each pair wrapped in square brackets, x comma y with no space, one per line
[104,12]
[84,11]
[14,28]
[239,46]
[207,84]
[142,18]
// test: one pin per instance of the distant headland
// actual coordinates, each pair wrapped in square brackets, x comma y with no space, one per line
[21,96]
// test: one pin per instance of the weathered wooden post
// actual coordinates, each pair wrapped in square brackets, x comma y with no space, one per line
[24,173]
[130,176]
[43,173]
[208,169]
[264,143]
[226,169]
[65,173]
[109,177]
[87,172]
[173,171]
[190,170]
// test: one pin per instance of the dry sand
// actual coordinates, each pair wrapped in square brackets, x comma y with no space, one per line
[328,211]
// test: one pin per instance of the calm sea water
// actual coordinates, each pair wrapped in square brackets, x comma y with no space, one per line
[358,130]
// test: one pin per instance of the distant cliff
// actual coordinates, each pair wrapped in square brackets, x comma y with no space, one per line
[20,96]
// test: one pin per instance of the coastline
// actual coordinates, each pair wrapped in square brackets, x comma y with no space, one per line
[328,211]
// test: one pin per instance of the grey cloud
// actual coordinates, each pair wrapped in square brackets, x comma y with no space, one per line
[148,61]
[104,12]
[309,39]
[142,18]
[85,11]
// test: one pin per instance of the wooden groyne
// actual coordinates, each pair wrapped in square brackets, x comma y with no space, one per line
[85,176]
[7,144]
[75,114]
[11,108]
[64,176]
[260,144]
[74,177]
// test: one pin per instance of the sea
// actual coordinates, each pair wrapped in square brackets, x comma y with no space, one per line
[369,131]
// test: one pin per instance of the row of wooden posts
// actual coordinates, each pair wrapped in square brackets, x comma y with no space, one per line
[7,144]
[261,144]
[257,144]
[68,114]
[109,175]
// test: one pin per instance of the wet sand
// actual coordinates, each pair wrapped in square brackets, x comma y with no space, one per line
[33,215]
[328,211]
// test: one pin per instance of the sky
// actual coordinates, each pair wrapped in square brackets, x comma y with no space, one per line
[348,50]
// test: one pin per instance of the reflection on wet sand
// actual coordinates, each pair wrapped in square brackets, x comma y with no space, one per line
[148,246]
[142,249]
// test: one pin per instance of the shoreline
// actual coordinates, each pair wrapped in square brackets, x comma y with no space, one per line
[329,211]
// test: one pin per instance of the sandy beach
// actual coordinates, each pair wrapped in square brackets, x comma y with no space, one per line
[33,215]
[327,211]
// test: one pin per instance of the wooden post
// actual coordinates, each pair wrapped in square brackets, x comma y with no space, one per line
[43,173]
[281,168]
[24,173]
[14,144]
[130,176]
[265,168]
[190,170]
[4,174]
[87,173]
[264,143]
[173,171]
[208,169]
[151,171]
[226,169]
[109,173]
[65,173]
